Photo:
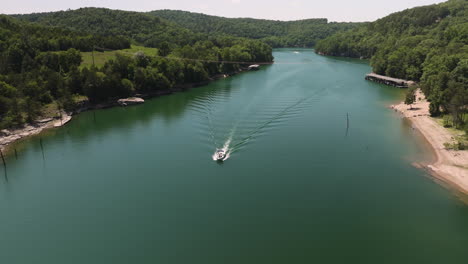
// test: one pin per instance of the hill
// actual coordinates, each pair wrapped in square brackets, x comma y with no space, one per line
[428,44]
[301,33]
[42,69]
[31,60]
[142,28]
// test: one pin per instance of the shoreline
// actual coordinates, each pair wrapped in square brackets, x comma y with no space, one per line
[10,136]
[449,166]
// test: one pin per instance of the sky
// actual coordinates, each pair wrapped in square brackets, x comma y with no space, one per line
[334,10]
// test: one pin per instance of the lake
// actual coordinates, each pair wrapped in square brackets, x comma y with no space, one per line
[301,185]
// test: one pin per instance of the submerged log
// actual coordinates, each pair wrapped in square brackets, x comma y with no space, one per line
[42,149]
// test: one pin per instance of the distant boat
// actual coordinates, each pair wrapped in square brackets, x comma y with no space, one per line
[220,155]
[254,67]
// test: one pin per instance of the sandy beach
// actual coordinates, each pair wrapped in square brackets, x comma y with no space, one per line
[450,166]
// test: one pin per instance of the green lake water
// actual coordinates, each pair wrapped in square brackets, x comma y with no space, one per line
[139,185]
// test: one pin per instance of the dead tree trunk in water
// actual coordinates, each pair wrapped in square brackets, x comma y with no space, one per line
[347,123]
[42,148]
[4,165]
[3,158]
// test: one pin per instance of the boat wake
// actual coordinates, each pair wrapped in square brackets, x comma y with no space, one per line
[226,149]
[232,145]
[233,118]
[235,142]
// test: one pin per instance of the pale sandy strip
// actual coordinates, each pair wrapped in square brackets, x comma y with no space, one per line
[450,166]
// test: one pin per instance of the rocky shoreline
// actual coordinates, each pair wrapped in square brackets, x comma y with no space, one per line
[9,136]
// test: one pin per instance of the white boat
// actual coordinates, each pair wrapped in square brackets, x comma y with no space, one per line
[220,155]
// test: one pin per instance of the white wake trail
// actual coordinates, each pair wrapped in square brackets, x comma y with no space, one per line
[225,148]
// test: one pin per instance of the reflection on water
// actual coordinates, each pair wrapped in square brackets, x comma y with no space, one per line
[138,185]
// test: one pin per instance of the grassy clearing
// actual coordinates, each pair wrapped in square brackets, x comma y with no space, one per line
[460,136]
[146,50]
[100,58]
[447,122]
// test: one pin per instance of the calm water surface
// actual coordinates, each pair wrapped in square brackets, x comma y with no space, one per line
[139,185]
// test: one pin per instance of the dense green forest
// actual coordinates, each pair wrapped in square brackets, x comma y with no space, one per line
[40,62]
[168,27]
[143,29]
[301,33]
[427,44]
[33,61]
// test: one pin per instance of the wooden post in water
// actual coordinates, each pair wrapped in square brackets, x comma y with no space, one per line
[16,155]
[347,123]
[42,148]
[3,158]
[94,115]
[347,120]
[4,164]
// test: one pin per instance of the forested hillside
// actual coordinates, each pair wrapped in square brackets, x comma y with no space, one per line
[144,29]
[428,44]
[40,65]
[33,60]
[301,33]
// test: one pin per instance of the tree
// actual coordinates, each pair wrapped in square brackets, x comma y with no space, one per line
[410,97]
[458,101]
[127,87]
[7,93]
[94,85]
[434,109]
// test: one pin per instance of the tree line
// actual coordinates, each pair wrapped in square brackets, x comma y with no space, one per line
[300,33]
[129,74]
[426,44]
[141,28]
[40,65]
[169,28]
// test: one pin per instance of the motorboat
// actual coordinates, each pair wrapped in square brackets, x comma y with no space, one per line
[220,155]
